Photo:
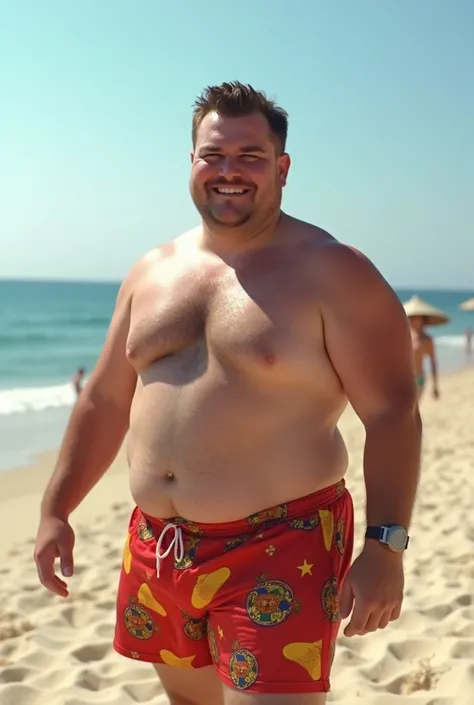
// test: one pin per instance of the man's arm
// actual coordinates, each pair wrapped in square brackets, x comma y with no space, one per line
[99,420]
[368,341]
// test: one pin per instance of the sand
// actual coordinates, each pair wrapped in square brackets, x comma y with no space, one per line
[59,652]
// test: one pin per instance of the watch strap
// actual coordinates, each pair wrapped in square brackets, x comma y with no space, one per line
[375,532]
[381,533]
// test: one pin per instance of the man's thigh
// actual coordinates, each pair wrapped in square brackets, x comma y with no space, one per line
[202,687]
[235,697]
[199,686]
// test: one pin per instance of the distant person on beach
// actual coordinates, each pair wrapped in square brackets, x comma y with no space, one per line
[423,347]
[421,314]
[231,355]
[77,380]
[469,342]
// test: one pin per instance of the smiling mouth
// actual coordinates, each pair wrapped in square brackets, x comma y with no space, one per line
[230,190]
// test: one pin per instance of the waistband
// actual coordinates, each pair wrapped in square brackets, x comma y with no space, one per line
[300,508]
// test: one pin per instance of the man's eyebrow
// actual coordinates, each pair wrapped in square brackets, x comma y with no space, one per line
[255,148]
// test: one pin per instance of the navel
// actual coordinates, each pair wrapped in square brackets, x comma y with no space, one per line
[269,359]
[169,476]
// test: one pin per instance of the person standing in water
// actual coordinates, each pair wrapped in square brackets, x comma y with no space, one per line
[421,314]
[77,380]
[469,342]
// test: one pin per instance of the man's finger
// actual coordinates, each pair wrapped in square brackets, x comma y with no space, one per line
[374,620]
[347,600]
[45,568]
[359,619]
[385,619]
[51,581]
[395,613]
[66,560]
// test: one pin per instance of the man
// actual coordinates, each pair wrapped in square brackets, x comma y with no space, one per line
[230,358]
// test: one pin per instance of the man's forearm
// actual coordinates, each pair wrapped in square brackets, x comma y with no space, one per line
[92,440]
[392,467]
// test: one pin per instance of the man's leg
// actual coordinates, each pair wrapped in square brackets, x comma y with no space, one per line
[236,697]
[198,686]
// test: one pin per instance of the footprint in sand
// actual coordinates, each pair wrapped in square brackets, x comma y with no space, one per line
[91,652]
[15,674]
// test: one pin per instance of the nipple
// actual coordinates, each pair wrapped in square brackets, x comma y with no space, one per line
[169,476]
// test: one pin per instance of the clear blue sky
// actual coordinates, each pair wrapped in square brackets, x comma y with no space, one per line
[95,115]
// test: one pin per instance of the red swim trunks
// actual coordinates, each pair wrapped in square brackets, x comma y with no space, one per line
[259,598]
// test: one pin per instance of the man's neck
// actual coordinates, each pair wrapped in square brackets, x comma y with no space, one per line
[227,243]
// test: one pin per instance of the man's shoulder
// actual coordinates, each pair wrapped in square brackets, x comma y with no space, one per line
[342,274]
[165,252]
[324,250]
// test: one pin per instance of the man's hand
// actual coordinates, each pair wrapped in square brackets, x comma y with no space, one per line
[373,590]
[55,539]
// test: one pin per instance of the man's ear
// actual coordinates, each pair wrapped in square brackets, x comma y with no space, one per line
[284,163]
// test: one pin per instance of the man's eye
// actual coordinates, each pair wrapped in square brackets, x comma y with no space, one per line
[250,157]
[212,155]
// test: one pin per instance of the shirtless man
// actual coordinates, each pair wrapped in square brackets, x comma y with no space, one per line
[423,347]
[231,355]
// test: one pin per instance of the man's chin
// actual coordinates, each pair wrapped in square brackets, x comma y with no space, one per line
[227,221]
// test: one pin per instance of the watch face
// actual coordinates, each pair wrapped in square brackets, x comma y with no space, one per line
[397,538]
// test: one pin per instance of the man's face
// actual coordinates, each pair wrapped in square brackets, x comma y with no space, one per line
[237,172]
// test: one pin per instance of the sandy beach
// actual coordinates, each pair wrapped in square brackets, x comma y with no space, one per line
[58,652]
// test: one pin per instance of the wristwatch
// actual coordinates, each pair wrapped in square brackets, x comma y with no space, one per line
[393,536]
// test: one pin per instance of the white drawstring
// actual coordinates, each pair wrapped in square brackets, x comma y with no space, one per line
[176,542]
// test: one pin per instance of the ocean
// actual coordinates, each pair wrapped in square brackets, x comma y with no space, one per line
[49,329]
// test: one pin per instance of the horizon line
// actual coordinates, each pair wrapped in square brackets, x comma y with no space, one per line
[73,280]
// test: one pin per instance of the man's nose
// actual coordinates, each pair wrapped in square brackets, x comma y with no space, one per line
[229,167]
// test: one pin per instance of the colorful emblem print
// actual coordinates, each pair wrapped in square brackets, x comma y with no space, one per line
[233,543]
[191,545]
[189,526]
[211,638]
[138,622]
[144,529]
[268,516]
[304,524]
[330,600]
[270,603]
[243,669]
[339,536]
[195,629]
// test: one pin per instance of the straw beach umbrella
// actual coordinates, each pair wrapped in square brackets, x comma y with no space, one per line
[417,307]
[467,305]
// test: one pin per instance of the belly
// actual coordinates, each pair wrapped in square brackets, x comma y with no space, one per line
[233,447]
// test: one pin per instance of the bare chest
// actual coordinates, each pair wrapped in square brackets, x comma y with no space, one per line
[269,324]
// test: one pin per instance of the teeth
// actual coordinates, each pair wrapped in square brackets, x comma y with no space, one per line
[230,190]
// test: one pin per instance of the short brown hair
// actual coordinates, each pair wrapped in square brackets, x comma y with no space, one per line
[235,99]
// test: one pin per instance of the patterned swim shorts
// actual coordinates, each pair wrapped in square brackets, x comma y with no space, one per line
[258,598]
